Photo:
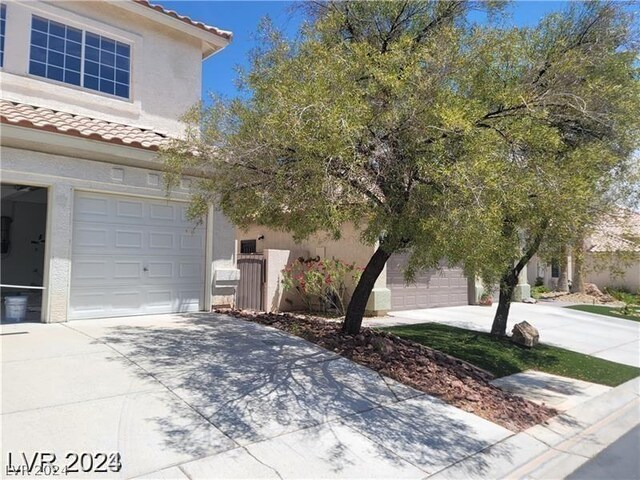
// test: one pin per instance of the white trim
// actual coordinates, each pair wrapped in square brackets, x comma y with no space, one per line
[214,41]
[28,138]
[25,287]
[76,20]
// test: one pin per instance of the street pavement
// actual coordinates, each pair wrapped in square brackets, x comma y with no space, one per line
[619,461]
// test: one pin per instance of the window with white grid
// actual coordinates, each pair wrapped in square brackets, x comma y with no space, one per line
[70,55]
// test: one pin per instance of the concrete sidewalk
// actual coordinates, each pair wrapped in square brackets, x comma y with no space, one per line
[605,337]
[555,450]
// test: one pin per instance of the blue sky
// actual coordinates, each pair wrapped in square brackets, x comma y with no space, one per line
[242,18]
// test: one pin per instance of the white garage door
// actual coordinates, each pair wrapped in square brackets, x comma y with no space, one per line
[133,256]
[446,287]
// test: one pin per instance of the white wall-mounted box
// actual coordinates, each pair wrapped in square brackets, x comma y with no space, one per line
[226,277]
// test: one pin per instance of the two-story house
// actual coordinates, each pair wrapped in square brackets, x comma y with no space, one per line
[89,92]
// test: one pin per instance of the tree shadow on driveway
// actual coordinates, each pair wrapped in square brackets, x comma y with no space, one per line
[262,387]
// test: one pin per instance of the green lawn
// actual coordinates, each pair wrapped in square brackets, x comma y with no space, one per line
[501,357]
[608,311]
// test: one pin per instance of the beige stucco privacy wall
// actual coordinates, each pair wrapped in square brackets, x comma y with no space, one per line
[165,72]
[273,294]
[348,248]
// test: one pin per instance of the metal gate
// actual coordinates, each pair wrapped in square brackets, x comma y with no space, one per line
[249,294]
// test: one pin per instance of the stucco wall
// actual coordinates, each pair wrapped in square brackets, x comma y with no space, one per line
[349,248]
[64,175]
[165,72]
[626,275]
[273,293]
[538,268]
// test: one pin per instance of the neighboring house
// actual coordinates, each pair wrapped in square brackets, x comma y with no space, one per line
[611,256]
[612,253]
[433,288]
[90,92]
[540,271]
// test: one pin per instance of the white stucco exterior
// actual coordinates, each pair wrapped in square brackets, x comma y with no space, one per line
[166,65]
[166,80]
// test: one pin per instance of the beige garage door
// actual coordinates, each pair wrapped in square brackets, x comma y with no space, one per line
[134,256]
[432,288]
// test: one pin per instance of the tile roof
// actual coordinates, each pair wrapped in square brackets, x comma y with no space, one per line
[203,26]
[619,232]
[41,118]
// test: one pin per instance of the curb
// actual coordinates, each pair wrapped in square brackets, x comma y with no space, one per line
[559,447]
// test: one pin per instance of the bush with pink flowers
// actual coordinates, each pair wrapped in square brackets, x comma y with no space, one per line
[322,284]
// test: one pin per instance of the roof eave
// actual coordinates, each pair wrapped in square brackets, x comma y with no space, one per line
[212,42]
[5,122]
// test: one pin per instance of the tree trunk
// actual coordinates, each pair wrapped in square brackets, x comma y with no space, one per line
[563,278]
[507,286]
[578,266]
[510,280]
[360,297]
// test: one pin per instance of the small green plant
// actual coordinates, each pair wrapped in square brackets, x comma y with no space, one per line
[627,310]
[539,282]
[321,283]
[623,295]
[538,290]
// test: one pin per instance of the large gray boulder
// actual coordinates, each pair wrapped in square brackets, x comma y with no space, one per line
[525,334]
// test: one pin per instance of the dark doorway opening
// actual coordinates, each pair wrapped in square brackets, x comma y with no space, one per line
[24,225]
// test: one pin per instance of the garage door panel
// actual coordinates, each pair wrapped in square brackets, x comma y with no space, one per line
[125,300]
[114,300]
[91,207]
[96,239]
[129,239]
[134,256]
[431,288]
[88,237]
[119,269]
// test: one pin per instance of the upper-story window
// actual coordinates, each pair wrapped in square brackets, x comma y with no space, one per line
[77,57]
[3,22]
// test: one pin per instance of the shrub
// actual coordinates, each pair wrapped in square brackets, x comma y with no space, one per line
[623,295]
[321,283]
[539,282]
[538,290]
[486,299]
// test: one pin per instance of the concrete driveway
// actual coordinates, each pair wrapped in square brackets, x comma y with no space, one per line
[209,396]
[610,338]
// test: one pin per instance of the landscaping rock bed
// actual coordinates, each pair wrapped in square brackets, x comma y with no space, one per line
[430,371]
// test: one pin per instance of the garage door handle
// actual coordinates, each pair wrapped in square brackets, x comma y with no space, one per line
[145,269]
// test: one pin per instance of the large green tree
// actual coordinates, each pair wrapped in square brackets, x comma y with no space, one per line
[436,136]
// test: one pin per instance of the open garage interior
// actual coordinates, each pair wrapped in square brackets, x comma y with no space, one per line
[443,287]
[24,224]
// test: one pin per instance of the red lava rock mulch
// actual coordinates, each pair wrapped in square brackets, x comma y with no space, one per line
[430,371]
